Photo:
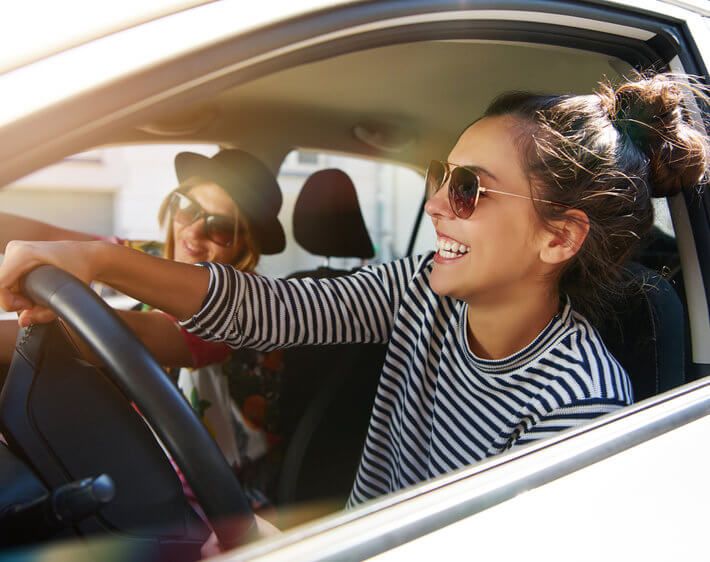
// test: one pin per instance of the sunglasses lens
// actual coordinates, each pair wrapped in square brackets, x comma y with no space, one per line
[434,178]
[185,210]
[463,191]
[220,229]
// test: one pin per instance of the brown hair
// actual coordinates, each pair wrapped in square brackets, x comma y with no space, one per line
[249,253]
[607,154]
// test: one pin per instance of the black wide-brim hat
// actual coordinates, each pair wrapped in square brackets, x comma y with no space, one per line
[249,183]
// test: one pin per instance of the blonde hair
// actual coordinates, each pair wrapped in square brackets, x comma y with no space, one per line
[249,253]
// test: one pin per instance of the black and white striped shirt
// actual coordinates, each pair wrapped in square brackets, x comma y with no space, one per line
[438,406]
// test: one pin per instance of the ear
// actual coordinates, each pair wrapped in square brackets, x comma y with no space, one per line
[565,238]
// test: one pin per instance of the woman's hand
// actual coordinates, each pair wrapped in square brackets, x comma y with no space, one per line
[76,258]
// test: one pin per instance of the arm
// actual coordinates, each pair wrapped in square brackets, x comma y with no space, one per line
[241,309]
[247,310]
[170,344]
[21,228]
[173,287]
[161,335]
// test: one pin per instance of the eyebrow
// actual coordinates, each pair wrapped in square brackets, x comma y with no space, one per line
[481,170]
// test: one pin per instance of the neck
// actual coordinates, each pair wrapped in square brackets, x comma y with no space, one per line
[505,324]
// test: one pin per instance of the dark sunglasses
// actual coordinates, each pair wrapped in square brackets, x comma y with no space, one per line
[220,229]
[464,187]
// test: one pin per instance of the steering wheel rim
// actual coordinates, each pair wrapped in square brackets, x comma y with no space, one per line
[134,370]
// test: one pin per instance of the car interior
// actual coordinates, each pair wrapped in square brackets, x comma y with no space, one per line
[407,108]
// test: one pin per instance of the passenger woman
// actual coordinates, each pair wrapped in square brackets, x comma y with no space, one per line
[213,215]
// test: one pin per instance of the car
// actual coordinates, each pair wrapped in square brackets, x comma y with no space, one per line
[391,81]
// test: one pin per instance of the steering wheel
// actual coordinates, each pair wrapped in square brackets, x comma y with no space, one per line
[137,374]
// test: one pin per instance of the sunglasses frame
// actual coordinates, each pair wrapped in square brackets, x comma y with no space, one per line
[201,214]
[450,168]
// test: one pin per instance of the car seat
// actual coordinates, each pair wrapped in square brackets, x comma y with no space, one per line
[647,333]
[328,391]
[327,221]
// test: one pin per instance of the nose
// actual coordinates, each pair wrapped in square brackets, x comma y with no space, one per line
[438,206]
[195,230]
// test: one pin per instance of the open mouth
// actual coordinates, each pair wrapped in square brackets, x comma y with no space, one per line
[192,250]
[450,249]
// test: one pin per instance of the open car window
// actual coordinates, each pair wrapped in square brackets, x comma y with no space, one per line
[433,70]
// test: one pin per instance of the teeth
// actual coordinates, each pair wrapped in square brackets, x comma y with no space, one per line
[449,249]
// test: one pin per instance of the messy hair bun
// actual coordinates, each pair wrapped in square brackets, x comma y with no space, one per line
[648,112]
[606,154]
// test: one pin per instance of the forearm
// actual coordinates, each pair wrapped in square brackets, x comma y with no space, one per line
[14,227]
[247,310]
[161,336]
[173,287]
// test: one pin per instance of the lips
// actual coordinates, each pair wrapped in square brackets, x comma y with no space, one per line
[449,248]
[191,249]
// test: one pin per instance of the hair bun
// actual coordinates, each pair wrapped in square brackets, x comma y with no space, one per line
[649,113]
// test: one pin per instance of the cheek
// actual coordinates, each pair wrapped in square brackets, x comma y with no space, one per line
[502,248]
[220,254]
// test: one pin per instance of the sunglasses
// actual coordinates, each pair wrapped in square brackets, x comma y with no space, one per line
[464,187]
[220,229]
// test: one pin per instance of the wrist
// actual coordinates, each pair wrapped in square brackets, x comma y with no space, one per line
[99,257]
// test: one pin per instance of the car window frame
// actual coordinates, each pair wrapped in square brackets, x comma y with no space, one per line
[692,400]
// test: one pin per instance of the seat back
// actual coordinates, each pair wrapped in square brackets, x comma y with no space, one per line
[647,334]
[328,391]
[327,220]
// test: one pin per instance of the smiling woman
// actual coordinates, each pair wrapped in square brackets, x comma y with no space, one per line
[487,350]
[212,216]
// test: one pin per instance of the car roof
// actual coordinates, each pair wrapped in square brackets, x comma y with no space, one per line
[421,124]
[35,29]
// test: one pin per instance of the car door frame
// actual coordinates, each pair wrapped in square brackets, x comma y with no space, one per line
[67,125]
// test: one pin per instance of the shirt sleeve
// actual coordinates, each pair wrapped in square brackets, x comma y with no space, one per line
[248,310]
[574,415]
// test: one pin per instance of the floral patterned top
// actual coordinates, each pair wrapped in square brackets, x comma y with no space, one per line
[236,395]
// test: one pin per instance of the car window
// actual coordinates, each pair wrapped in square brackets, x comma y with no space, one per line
[110,191]
[389,196]
[117,191]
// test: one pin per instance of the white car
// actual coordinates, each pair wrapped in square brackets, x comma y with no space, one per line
[392,81]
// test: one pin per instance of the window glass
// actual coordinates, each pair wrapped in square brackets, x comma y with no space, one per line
[117,191]
[389,197]
[109,191]
[106,191]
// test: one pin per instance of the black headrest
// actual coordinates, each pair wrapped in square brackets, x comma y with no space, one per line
[327,220]
[646,335]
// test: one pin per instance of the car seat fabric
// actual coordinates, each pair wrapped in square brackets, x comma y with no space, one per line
[327,220]
[328,390]
[647,333]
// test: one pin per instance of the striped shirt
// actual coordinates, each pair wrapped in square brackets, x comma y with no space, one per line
[438,406]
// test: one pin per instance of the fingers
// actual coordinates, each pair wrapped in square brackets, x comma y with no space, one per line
[12,301]
[18,260]
[36,315]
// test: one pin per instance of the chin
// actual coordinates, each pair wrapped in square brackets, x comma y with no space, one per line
[440,284]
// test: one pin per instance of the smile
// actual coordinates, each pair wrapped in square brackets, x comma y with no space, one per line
[450,249]
[191,249]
